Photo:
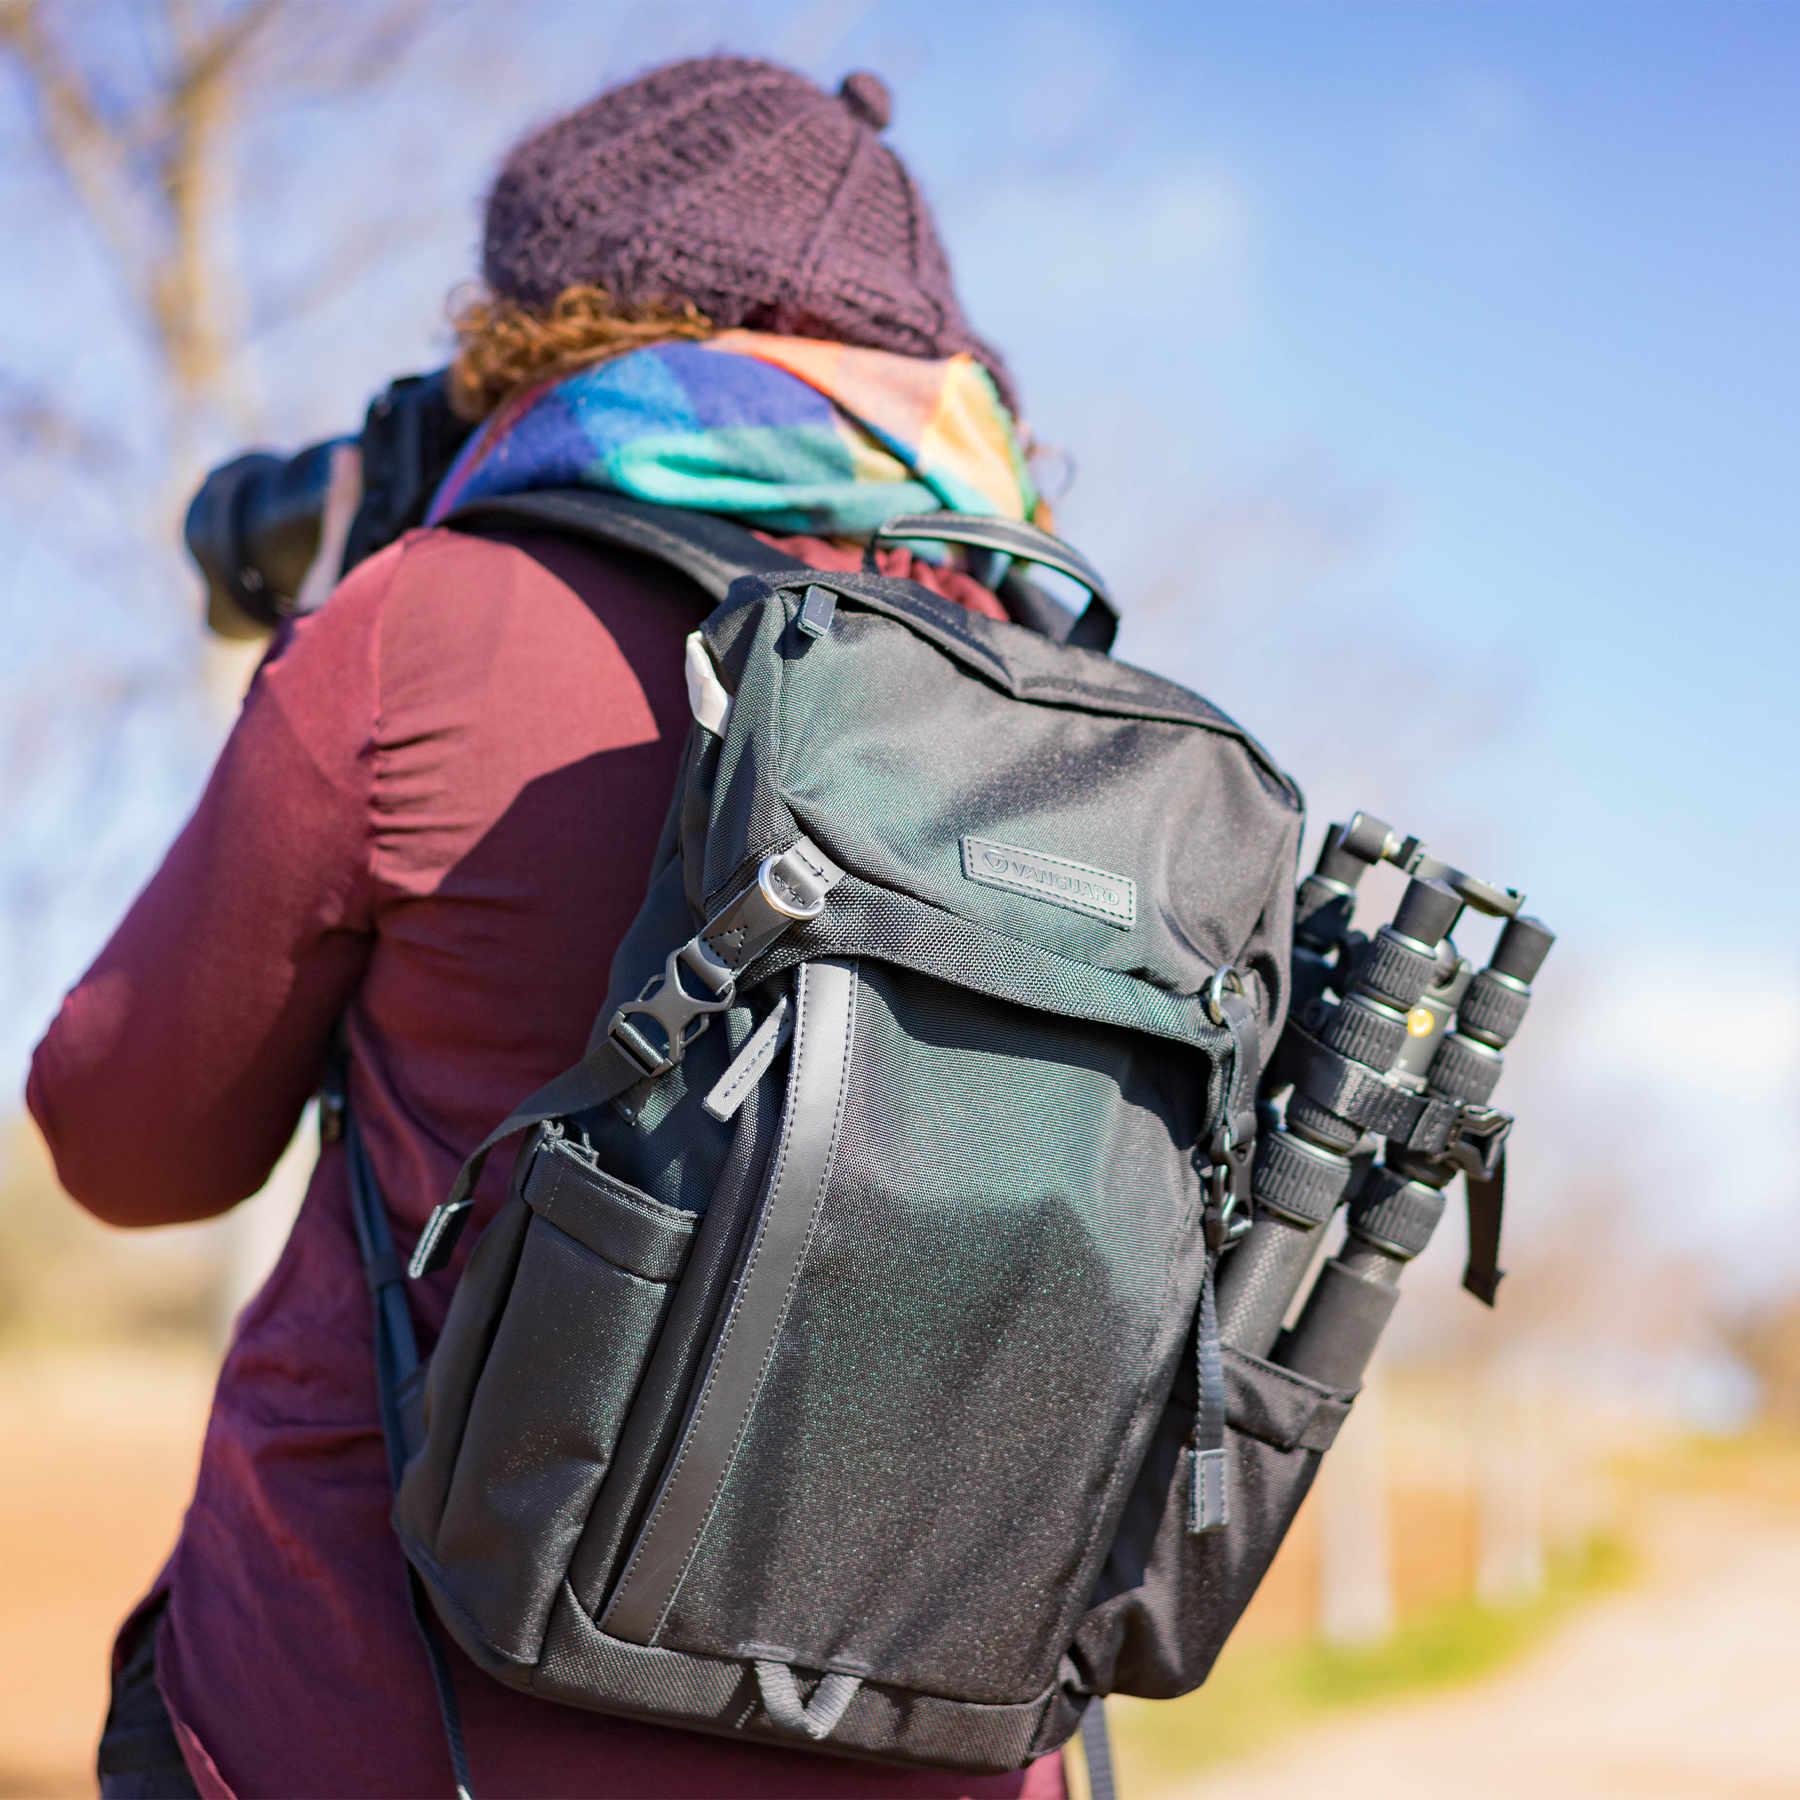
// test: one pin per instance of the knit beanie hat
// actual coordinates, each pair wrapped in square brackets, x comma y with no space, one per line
[740,186]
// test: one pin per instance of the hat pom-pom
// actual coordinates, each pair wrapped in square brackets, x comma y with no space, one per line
[867,97]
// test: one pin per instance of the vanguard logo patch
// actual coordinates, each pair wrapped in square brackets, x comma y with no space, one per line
[1054,878]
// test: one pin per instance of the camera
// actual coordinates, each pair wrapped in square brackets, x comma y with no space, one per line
[253,527]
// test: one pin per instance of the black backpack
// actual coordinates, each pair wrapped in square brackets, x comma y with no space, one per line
[843,1368]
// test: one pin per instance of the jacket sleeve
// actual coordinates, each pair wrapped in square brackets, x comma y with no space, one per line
[176,1070]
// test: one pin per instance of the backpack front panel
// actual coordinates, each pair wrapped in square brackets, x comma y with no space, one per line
[986,1314]
[874,1439]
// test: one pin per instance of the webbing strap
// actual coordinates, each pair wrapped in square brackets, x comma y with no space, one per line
[788,889]
[816,1718]
[1228,1186]
[1209,1507]
[1482,1273]
[1096,1750]
[711,551]
[602,1075]
[396,1360]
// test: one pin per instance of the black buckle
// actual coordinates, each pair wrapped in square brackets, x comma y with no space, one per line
[789,889]
[1477,1140]
[680,1015]
[1226,1217]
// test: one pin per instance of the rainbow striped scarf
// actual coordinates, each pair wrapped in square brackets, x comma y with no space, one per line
[790,434]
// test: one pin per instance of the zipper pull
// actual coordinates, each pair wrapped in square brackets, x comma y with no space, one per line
[751,1063]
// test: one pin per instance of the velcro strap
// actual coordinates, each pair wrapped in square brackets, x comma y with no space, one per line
[1482,1273]
[1353,1091]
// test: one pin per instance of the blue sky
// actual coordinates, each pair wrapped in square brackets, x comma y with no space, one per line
[1429,379]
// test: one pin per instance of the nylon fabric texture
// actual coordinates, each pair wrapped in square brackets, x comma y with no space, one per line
[901,1423]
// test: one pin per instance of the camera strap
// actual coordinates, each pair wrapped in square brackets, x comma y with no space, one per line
[396,1373]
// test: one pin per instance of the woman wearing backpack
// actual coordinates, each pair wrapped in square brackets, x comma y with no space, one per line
[714,286]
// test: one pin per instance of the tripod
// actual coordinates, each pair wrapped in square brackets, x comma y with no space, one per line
[1395,1046]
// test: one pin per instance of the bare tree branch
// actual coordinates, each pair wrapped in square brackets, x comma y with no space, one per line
[33,423]
[83,146]
[329,65]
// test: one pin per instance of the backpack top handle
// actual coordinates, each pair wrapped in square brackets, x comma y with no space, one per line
[1098,624]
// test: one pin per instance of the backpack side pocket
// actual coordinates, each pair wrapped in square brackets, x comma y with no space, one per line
[568,1338]
[1169,1598]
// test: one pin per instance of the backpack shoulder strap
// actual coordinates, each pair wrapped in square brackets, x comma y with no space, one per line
[712,552]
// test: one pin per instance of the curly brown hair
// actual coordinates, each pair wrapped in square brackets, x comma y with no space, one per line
[503,347]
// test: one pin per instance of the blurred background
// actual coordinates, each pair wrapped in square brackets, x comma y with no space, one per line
[1423,376]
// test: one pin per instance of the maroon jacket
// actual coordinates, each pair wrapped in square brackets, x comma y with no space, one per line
[434,820]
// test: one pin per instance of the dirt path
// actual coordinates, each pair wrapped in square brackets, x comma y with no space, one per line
[98,1452]
[1681,1687]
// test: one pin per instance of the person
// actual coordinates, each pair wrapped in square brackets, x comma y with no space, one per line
[714,286]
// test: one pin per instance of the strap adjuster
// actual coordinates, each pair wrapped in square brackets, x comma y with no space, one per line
[1477,1140]
[680,1015]
[789,889]
[1226,1217]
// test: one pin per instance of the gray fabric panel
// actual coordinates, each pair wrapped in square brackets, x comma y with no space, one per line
[824,1012]
[572,1340]
[1167,1599]
[1025,663]
[663,1395]
[628,1228]
[586,1667]
[1278,1407]
[868,922]
[887,754]
[456,1364]
[981,1336]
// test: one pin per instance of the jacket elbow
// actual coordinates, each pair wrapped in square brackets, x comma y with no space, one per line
[115,1175]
